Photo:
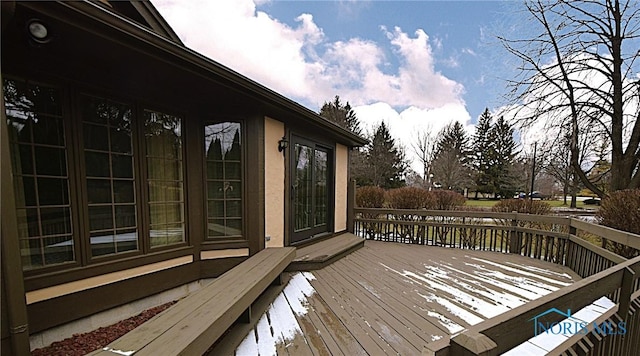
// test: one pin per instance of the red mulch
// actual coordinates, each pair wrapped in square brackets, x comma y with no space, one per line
[82,344]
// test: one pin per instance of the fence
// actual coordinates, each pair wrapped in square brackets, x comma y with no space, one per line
[550,238]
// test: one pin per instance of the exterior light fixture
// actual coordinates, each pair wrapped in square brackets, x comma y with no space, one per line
[38,31]
[283,144]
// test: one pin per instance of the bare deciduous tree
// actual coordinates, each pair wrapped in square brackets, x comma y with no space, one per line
[424,147]
[580,71]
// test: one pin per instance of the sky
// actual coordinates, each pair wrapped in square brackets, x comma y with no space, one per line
[416,65]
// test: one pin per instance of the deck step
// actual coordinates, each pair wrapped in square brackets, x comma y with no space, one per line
[325,252]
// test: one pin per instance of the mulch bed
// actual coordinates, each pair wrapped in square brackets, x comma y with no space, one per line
[82,344]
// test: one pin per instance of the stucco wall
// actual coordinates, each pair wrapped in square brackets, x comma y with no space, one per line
[342,167]
[273,183]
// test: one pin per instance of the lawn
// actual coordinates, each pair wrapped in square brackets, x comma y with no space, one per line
[553,203]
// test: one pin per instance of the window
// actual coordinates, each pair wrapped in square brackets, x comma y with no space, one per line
[109,176]
[163,138]
[223,151]
[129,171]
[39,163]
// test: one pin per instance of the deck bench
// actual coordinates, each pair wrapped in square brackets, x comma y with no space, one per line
[194,323]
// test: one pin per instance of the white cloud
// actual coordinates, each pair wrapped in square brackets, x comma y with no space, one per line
[404,126]
[300,62]
[469,51]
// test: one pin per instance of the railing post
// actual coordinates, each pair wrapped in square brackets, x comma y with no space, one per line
[351,204]
[625,293]
[469,343]
[514,243]
[572,229]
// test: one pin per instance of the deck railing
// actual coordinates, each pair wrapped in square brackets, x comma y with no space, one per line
[550,238]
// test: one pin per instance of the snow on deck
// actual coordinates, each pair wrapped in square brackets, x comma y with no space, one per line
[388,298]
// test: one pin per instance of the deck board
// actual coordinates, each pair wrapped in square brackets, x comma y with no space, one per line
[388,298]
[323,253]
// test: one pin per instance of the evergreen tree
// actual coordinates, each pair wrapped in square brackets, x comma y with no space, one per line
[454,137]
[343,115]
[386,161]
[482,152]
[450,166]
[502,159]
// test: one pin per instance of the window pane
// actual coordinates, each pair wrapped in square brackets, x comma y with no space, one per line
[49,131]
[321,191]
[163,142]
[122,166]
[123,191]
[58,249]
[216,189]
[28,224]
[232,170]
[215,170]
[96,137]
[31,253]
[302,197]
[223,151]
[26,191]
[22,160]
[51,161]
[126,240]
[120,140]
[216,228]
[172,169]
[233,209]
[55,221]
[53,191]
[108,156]
[39,164]
[102,244]
[100,218]
[97,164]
[157,214]
[125,216]
[233,227]
[216,207]
[99,191]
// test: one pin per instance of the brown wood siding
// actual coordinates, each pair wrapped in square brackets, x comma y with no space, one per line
[254,175]
[57,311]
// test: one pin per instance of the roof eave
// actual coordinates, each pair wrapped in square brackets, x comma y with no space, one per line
[179,51]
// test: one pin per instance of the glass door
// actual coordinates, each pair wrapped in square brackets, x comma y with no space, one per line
[310,190]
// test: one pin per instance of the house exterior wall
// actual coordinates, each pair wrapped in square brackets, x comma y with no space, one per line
[77,78]
[274,182]
[342,170]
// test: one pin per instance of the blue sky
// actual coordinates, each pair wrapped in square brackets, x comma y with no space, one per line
[417,65]
[458,30]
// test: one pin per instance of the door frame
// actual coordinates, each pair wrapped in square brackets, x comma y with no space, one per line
[304,236]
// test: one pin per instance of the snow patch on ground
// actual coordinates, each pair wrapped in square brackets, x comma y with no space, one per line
[482,293]
[279,324]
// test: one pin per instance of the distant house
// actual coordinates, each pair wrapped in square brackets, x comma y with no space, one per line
[132,165]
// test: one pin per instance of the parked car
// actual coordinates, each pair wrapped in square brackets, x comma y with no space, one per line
[592,201]
[538,195]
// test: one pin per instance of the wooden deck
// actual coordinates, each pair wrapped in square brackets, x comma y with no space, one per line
[323,253]
[389,298]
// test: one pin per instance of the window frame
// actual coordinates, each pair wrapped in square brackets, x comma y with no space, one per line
[83,207]
[72,170]
[146,211]
[226,241]
[72,96]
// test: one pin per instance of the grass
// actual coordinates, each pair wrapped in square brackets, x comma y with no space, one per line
[553,203]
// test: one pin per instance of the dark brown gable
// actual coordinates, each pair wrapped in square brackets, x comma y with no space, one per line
[145,14]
